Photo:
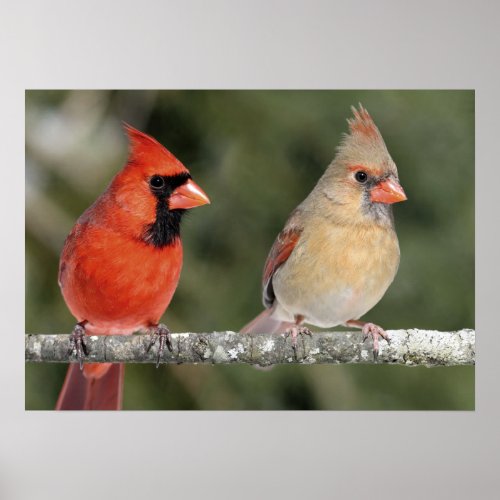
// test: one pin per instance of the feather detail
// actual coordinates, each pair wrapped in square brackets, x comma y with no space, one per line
[82,391]
[280,251]
[264,323]
[336,273]
[129,285]
[362,123]
[146,151]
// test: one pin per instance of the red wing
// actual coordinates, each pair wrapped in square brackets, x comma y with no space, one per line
[280,251]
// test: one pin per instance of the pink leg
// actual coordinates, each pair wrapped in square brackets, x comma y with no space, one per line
[296,329]
[370,330]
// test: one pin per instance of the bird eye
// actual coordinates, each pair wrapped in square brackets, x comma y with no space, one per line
[156,182]
[361,176]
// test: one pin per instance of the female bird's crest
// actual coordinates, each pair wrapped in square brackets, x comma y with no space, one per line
[364,143]
[362,123]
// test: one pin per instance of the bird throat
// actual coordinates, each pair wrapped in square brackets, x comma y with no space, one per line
[380,213]
[165,230]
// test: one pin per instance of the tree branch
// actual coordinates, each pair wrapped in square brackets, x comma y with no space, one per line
[407,347]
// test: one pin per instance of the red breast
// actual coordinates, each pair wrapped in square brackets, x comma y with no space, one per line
[121,263]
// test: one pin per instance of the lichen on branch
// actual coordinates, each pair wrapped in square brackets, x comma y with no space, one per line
[411,347]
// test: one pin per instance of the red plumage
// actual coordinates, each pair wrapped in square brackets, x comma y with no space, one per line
[121,263]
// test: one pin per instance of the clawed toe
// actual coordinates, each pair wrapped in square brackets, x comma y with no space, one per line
[374,331]
[77,343]
[161,333]
[295,331]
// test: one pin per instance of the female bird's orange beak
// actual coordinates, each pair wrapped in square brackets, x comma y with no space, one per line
[188,195]
[387,191]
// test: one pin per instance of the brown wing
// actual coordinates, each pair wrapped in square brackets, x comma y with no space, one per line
[280,251]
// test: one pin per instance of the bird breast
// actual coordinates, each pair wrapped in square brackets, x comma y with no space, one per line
[114,282]
[336,273]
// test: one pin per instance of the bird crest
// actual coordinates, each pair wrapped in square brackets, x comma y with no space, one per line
[362,123]
[147,151]
[137,138]
[364,142]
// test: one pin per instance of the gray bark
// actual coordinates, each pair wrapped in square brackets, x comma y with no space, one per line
[407,347]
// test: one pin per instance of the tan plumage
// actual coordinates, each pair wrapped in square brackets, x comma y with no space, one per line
[338,252]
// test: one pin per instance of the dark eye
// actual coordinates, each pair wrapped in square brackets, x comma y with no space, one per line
[156,182]
[361,176]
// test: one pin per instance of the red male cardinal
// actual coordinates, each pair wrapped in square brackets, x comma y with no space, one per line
[338,252]
[121,263]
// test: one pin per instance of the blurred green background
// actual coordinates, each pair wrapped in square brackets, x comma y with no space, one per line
[257,154]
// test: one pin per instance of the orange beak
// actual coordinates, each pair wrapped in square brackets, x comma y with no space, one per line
[188,195]
[387,191]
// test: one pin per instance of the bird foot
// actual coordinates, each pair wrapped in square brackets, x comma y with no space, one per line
[294,332]
[161,333]
[77,343]
[374,331]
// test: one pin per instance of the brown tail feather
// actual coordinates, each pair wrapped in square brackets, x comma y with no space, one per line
[89,393]
[263,323]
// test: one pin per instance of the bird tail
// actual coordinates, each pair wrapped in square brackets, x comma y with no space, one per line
[99,386]
[263,323]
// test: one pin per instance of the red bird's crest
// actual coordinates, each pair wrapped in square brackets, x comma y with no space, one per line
[147,151]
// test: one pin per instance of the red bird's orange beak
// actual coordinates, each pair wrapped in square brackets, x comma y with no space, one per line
[188,195]
[387,191]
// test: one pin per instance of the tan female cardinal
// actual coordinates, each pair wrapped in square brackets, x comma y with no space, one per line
[338,252]
[121,263]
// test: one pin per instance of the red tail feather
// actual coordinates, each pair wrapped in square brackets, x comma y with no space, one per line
[81,392]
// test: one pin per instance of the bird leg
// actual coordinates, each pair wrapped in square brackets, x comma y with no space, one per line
[296,329]
[162,333]
[77,342]
[370,330]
